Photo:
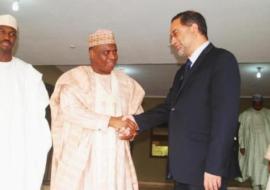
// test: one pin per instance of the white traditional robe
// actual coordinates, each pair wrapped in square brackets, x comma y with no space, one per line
[25,136]
[88,155]
[254,136]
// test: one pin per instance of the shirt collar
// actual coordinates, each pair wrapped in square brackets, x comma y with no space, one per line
[194,56]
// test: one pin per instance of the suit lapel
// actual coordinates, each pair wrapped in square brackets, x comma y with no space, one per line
[194,68]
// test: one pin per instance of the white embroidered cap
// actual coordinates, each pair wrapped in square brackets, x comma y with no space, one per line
[8,20]
[100,37]
[257,98]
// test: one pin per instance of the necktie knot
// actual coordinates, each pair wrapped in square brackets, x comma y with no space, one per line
[188,65]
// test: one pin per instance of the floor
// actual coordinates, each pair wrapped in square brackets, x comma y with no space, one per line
[233,185]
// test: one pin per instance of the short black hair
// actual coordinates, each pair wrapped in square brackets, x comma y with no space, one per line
[189,17]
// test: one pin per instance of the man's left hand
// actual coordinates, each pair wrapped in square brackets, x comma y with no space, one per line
[211,182]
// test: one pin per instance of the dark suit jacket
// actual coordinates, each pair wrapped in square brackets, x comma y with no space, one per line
[202,115]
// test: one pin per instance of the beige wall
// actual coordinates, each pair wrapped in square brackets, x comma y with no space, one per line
[50,73]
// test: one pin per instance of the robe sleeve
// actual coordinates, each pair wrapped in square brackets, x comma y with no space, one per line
[75,111]
[136,98]
[38,132]
[242,131]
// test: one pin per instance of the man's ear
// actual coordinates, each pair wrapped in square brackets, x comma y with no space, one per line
[91,53]
[194,27]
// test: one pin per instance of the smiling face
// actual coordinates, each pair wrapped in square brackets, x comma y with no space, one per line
[8,36]
[103,58]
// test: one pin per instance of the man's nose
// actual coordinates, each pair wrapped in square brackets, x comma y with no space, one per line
[173,41]
[112,55]
[6,36]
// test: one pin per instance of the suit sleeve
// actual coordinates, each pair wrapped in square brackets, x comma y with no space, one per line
[224,94]
[160,114]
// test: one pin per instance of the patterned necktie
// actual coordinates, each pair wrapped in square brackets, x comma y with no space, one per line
[188,65]
[184,76]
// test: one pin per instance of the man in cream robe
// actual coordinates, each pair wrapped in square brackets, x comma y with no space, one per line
[254,137]
[88,153]
[25,135]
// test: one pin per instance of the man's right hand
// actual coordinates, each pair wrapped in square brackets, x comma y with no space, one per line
[129,132]
[126,127]
[211,181]
[242,151]
[117,122]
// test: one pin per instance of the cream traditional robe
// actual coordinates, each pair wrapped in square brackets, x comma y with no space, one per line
[25,135]
[267,157]
[254,136]
[88,155]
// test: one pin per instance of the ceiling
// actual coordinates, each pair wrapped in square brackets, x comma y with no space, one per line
[55,32]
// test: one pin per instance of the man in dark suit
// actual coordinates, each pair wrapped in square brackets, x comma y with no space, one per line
[201,109]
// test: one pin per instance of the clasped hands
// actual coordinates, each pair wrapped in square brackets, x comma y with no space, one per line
[125,126]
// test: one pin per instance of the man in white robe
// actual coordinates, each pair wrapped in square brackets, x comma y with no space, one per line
[88,153]
[25,136]
[254,137]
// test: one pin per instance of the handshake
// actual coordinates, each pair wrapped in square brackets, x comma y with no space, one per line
[125,125]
